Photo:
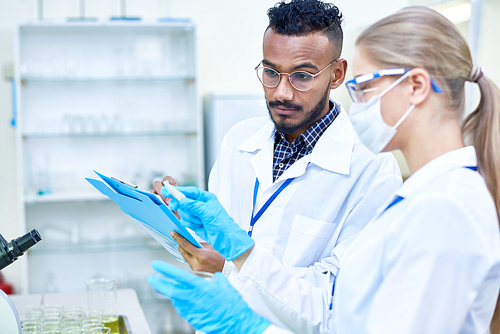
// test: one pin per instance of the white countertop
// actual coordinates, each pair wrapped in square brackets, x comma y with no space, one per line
[128,305]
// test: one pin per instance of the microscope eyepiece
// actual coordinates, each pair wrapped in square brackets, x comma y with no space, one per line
[9,252]
[28,240]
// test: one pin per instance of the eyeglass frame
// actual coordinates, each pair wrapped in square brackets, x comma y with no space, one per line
[378,74]
[289,75]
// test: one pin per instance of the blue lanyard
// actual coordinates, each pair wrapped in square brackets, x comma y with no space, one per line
[266,205]
[333,289]
[396,201]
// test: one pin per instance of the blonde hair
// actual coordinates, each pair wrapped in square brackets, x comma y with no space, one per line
[421,37]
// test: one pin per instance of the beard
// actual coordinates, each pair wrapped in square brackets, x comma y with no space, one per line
[311,116]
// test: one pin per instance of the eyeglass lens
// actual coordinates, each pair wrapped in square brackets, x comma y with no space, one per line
[299,80]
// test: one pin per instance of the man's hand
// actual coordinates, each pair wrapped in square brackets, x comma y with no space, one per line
[204,259]
[204,215]
[157,190]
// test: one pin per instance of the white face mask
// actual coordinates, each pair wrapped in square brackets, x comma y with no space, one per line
[366,118]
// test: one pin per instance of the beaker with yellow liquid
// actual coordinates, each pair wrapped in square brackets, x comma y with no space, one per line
[112,322]
[102,296]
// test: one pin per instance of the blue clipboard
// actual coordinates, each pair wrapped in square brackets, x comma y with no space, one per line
[147,210]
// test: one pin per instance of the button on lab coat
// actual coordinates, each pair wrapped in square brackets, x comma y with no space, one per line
[430,263]
[336,191]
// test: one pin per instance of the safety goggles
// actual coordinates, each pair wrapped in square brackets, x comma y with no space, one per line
[360,86]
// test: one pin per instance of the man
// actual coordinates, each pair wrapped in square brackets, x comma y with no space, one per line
[300,183]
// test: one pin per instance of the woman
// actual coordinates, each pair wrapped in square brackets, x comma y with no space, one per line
[429,262]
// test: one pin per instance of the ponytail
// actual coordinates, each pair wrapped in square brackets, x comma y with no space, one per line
[482,128]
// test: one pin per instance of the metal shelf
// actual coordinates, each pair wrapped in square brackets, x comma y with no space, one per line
[106,246]
[93,80]
[65,197]
[29,135]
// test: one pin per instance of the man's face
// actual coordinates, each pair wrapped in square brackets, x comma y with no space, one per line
[291,110]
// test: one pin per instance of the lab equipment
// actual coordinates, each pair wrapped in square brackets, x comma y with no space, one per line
[202,213]
[10,252]
[102,296]
[148,210]
[50,318]
[212,306]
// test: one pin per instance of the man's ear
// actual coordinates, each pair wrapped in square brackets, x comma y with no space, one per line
[339,70]
[419,85]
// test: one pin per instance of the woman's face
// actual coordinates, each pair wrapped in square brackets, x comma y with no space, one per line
[393,104]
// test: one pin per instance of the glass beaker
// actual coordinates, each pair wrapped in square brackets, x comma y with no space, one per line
[102,296]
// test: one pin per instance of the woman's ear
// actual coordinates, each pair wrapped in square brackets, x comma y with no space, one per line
[419,85]
[339,70]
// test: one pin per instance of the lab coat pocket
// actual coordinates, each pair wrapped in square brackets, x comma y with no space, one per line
[306,241]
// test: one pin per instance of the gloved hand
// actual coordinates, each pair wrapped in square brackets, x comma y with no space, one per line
[211,306]
[202,212]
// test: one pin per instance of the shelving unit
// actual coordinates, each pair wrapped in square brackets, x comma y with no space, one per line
[117,97]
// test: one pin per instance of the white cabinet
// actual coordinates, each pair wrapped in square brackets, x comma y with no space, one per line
[116,97]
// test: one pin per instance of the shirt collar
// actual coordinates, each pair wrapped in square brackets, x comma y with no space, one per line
[310,137]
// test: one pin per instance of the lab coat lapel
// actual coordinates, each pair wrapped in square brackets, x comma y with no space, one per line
[261,145]
[262,164]
[332,151]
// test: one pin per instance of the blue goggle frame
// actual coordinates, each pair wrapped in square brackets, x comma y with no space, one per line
[351,84]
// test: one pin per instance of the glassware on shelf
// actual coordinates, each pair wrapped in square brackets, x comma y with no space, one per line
[149,54]
[42,175]
[50,285]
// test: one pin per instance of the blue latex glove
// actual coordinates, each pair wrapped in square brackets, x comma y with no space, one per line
[211,306]
[202,212]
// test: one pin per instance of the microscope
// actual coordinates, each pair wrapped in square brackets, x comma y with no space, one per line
[9,252]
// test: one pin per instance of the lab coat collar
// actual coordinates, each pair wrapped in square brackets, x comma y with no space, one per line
[463,157]
[332,152]
[260,140]
[261,145]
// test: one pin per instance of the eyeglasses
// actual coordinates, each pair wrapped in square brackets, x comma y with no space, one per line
[359,86]
[300,80]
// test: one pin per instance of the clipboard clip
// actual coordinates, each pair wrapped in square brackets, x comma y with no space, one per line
[128,184]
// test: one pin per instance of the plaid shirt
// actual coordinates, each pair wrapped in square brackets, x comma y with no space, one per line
[285,153]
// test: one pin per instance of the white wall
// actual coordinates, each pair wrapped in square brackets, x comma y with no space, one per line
[229,47]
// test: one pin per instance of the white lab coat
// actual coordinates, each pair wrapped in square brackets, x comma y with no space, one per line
[429,264]
[337,189]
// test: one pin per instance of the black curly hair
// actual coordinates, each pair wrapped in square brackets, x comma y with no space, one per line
[302,17]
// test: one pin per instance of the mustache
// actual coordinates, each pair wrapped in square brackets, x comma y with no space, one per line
[286,105]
